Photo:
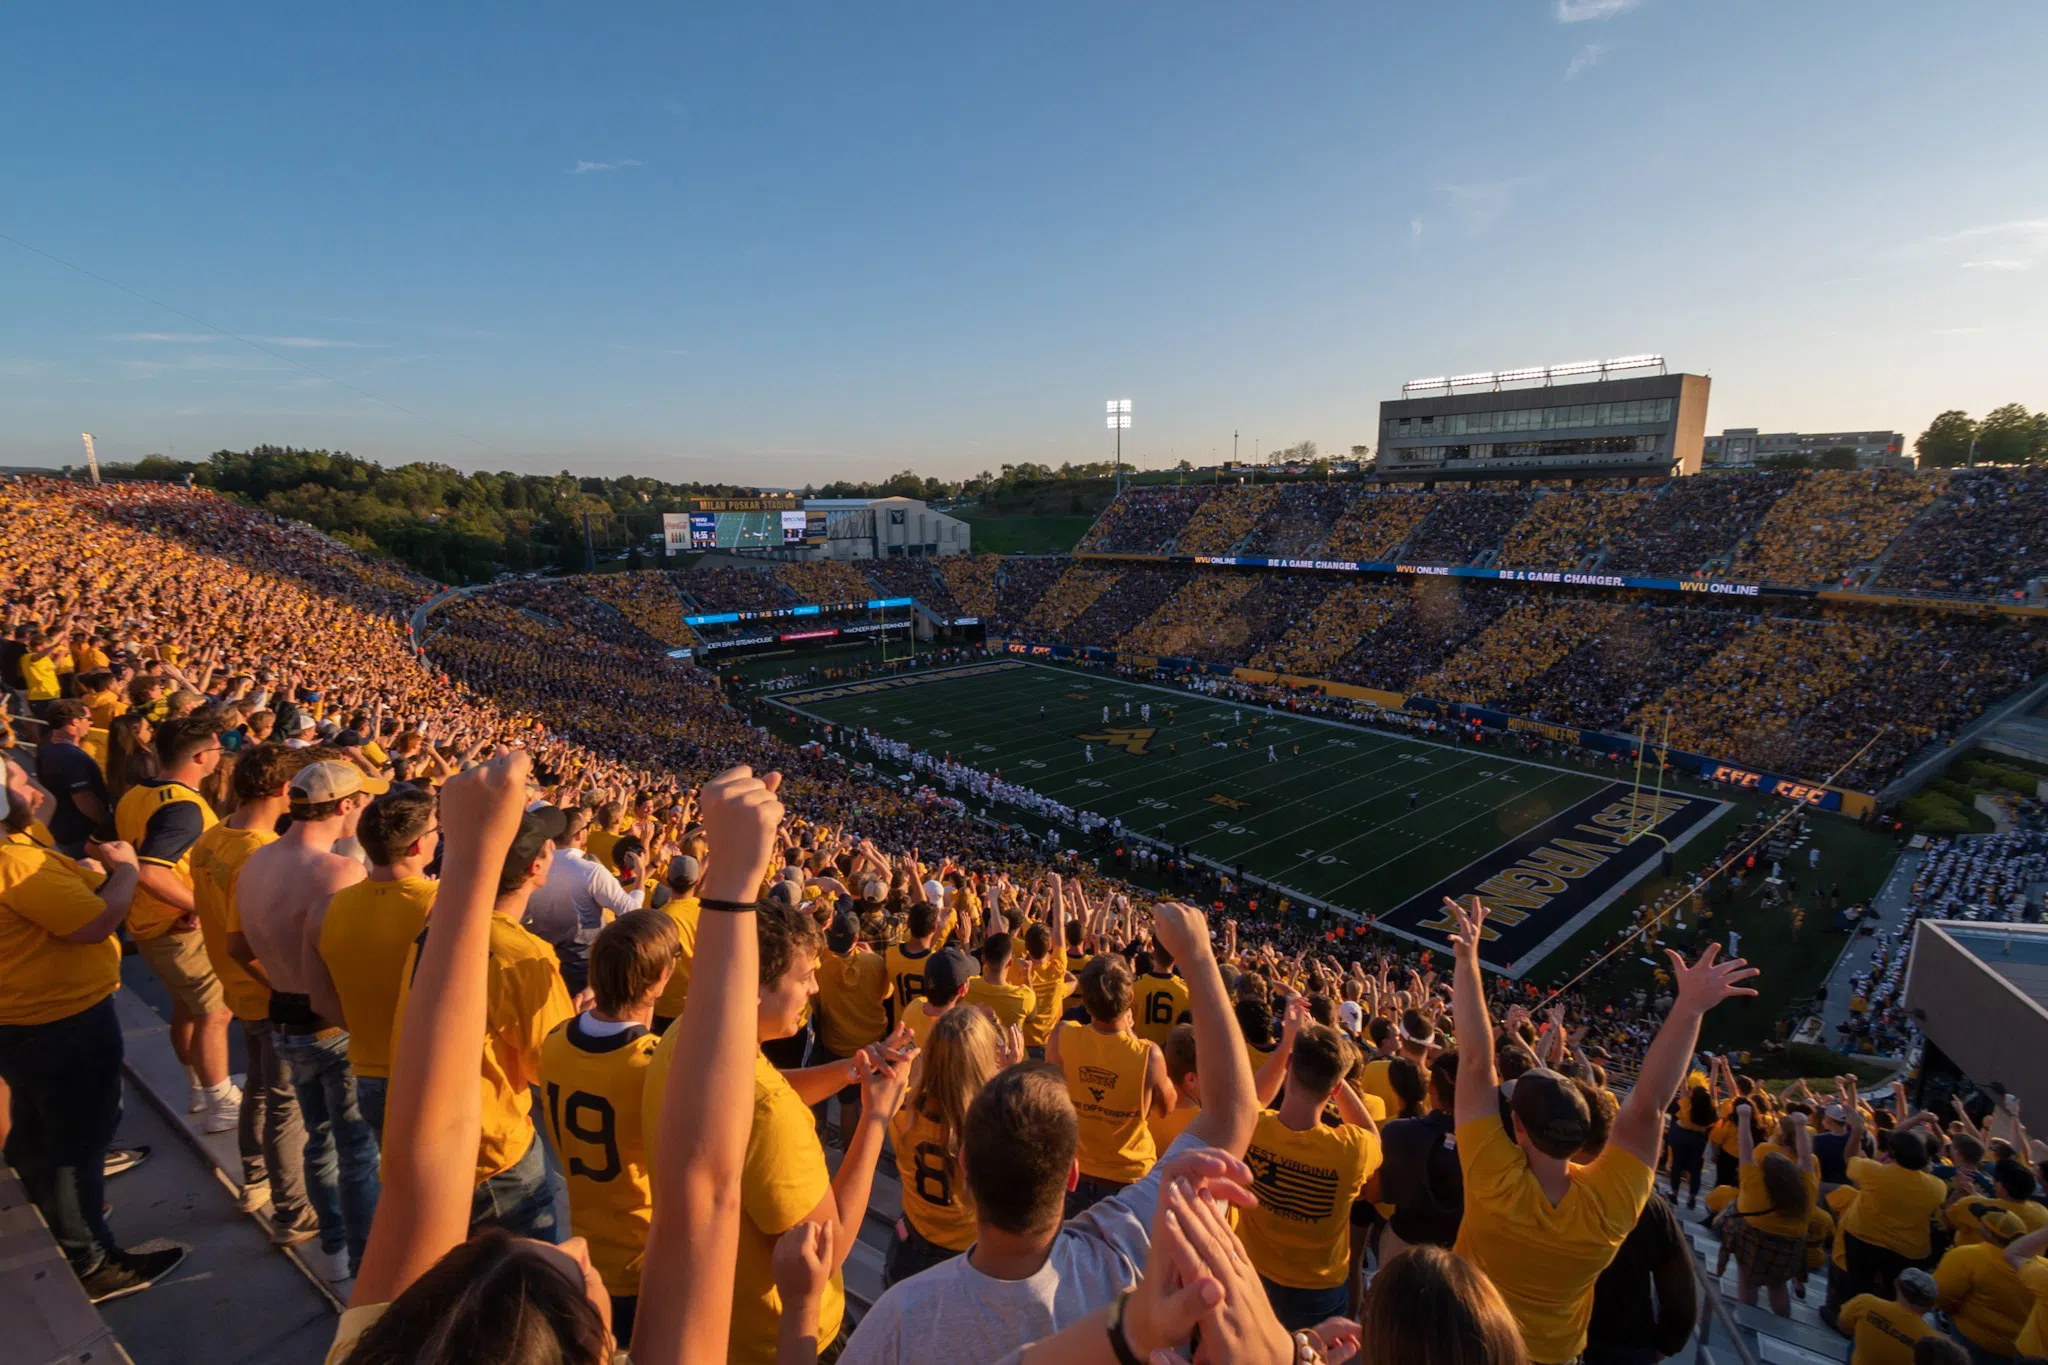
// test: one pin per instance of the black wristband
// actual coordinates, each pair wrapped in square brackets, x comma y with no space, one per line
[730,907]
[1119,1344]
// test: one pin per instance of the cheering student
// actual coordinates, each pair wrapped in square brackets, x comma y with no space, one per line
[1541,1228]
[428,1290]
[527,1002]
[1114,1079]
[1307,1175]
[1029,1274]
[785,1180]
[272,1135]
[60,1042]
[962,1053]
[369,931]
[593,1076]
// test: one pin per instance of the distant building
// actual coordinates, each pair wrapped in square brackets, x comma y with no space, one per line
[1742,447]
[1524,425]
[886,528]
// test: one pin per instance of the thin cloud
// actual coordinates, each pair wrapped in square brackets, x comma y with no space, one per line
[322,344]
[1585,59]
[181,337]
[1414,229]
[2002,263]
[587,167]
[1478,207]
[1592,11]
[1959,331]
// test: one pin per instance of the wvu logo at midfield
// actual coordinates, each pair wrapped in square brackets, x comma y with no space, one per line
[1130,741]
[1227,802]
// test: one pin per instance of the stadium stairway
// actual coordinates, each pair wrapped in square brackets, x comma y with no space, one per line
[1802,1339]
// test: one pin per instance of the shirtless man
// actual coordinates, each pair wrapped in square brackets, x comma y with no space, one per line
[279,905]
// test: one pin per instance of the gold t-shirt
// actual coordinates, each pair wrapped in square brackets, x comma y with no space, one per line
[1542,1257]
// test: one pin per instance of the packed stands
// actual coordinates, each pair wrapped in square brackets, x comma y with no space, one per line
[1021,582]
[917,578]
[647,598]
[1331,629]
[1070,594]
[1634,656]
[1437,618]
[1987,538]
[1694,520]
[1464,525]
[1524,642]
[1298,520]
[1225,618]
[1564,530]
[1224,518]
[536,702]
[1835,520]
[1376,525]
[971,579]
[1144,521]
[729,589]
[1111,614]
[824,580]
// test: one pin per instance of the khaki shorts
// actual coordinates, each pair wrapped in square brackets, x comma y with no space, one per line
[180,962]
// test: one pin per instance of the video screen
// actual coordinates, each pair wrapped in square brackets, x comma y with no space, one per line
[753,530]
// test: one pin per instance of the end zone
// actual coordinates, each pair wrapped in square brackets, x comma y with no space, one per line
[1544,885]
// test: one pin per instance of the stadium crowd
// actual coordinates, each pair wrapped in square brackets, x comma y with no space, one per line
[429,881]
[1796,686]
[1986,540]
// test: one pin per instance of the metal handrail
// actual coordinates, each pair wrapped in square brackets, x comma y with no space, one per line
[1710,1293]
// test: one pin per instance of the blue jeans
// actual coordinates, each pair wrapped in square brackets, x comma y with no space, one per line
[370,1092]
[65,1079]
[1300,1308]
[341,1150]
[518,1199]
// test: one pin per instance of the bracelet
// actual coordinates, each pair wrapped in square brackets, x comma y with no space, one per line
[730,907]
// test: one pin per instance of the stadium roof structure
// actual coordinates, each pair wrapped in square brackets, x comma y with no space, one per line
[1534,374]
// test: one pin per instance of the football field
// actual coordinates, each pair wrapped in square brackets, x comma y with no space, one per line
[1332,815]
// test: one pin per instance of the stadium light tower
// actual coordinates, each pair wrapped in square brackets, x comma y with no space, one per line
[1119,410]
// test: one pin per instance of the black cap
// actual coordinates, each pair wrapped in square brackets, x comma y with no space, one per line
[946,974]
[1552,1110]
[843,933]
[536,827]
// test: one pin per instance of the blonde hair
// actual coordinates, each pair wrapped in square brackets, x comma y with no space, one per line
[959,1059]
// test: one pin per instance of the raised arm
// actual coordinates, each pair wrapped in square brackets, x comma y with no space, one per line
[707,1105]
[1478,1080]
[1229,1108]
[435,1109]
[1701,986]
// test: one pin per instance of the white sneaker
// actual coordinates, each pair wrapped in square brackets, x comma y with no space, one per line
[223,1115]
[331,1266]
[196,1101]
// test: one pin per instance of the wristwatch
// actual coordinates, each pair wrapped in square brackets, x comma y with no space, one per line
[1119,1344]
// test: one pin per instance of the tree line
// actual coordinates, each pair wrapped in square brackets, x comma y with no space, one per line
[463,528]
[2007,435]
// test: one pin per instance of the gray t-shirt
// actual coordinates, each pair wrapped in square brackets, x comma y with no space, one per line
[953,1314]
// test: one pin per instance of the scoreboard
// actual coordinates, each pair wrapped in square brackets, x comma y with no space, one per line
[743,524]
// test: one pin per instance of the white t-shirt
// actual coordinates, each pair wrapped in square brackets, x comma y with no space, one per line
[953,1314]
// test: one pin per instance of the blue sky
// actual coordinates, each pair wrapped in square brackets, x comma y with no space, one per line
[785,242]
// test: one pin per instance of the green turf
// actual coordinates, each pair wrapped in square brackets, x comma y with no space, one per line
[1333,821]
[1048,535]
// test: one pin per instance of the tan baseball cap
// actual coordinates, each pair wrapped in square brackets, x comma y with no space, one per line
[330,781]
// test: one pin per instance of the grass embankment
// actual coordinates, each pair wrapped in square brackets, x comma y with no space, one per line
[1794,952]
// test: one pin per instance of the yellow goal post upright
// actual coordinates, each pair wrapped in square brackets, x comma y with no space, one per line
[1662,754]
[880,615]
